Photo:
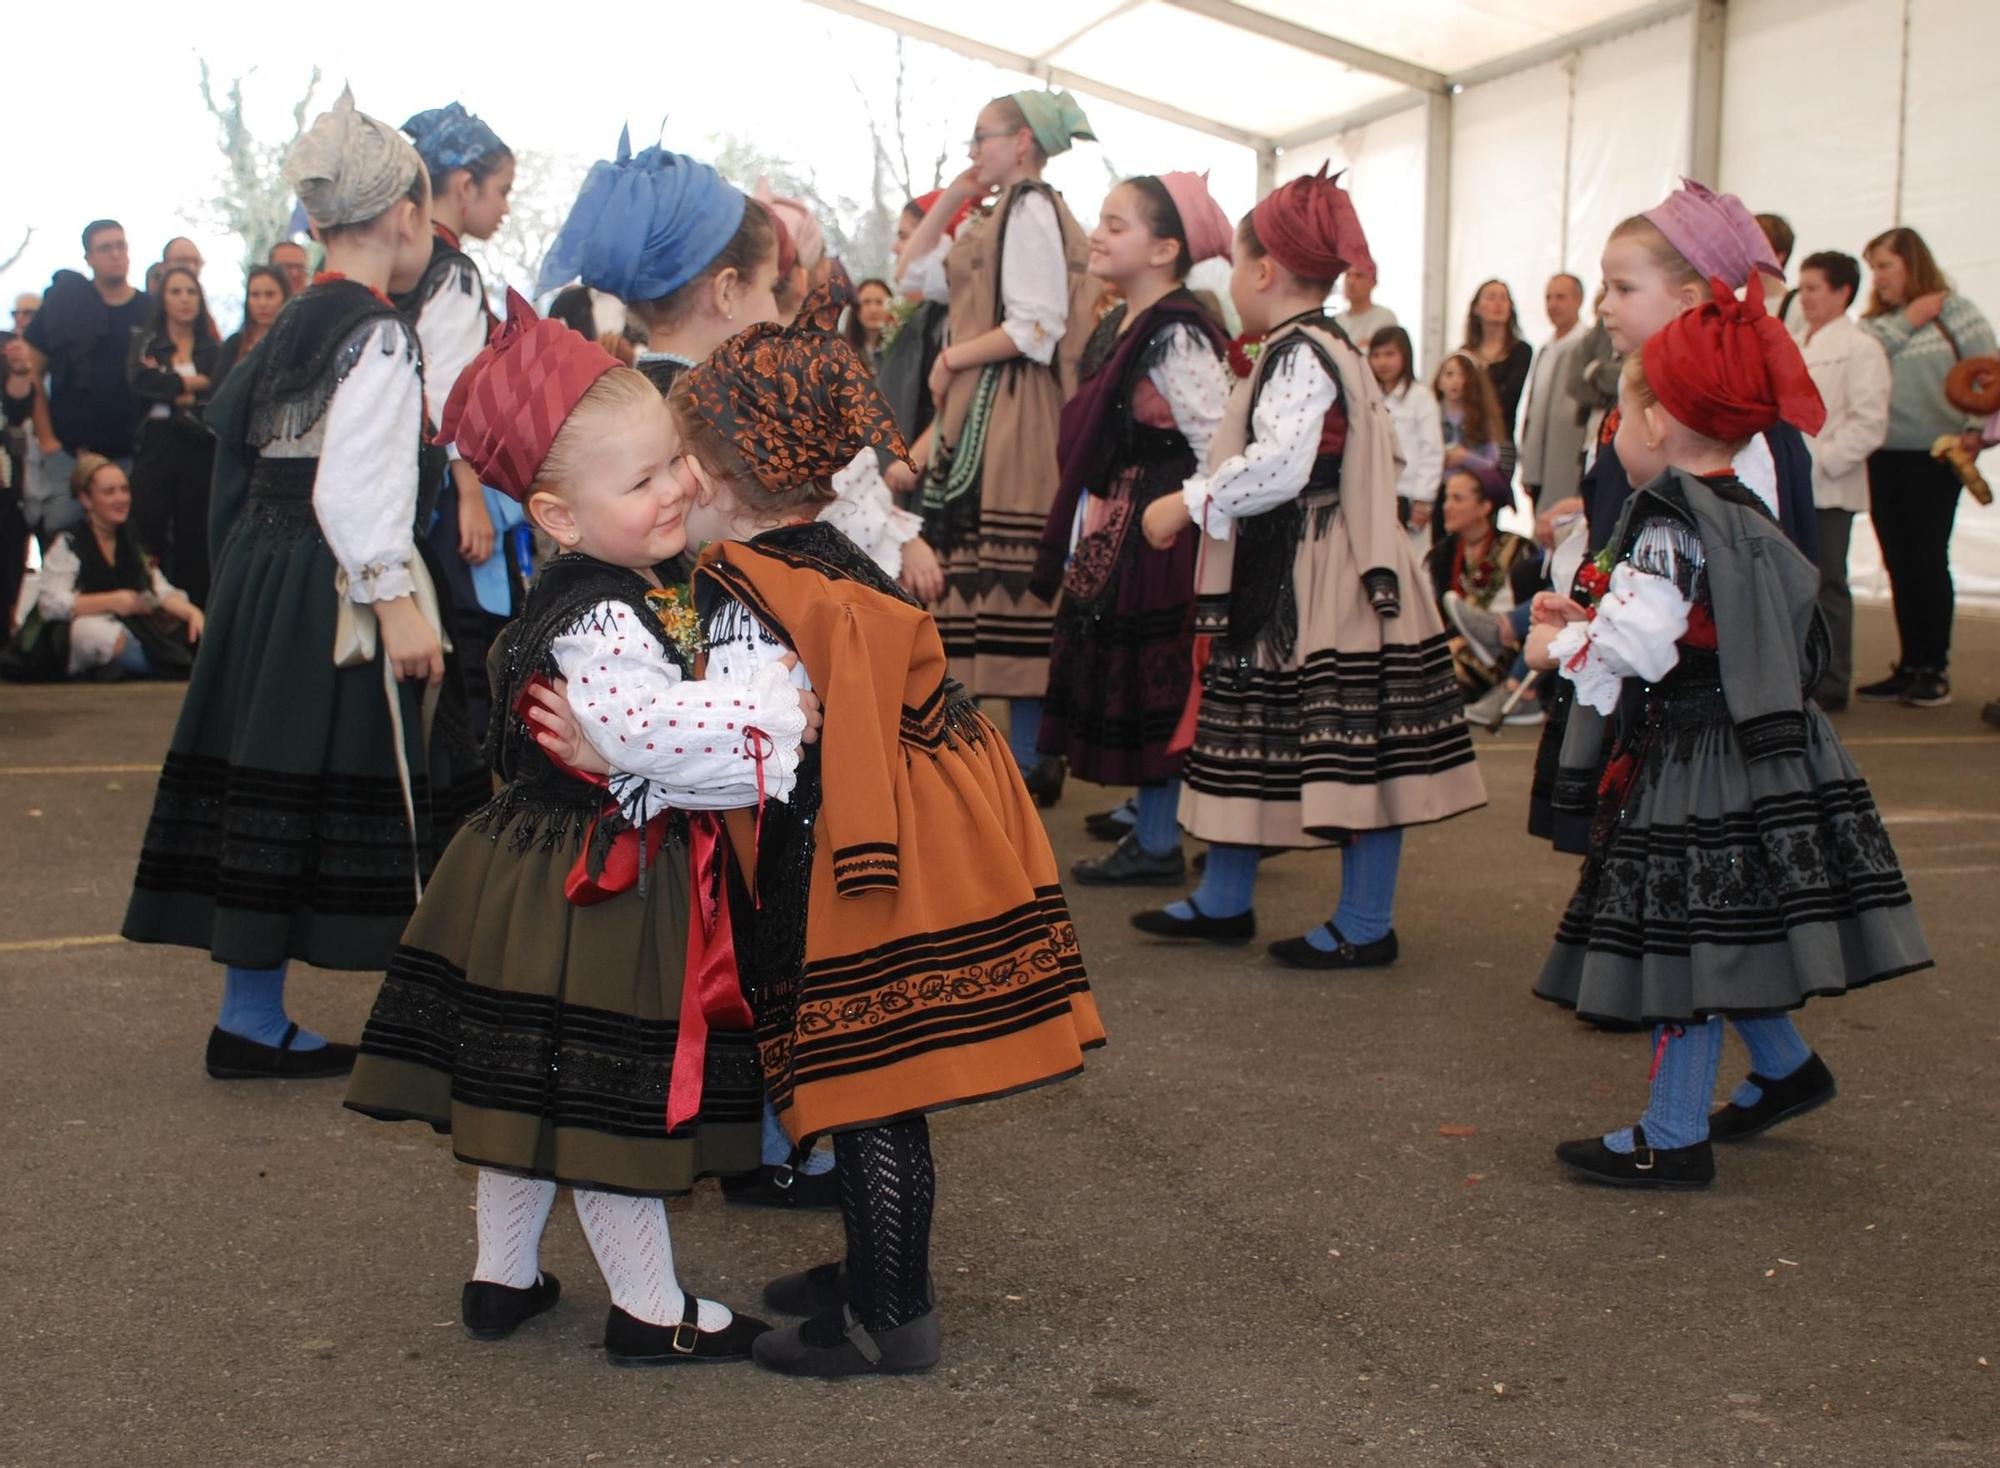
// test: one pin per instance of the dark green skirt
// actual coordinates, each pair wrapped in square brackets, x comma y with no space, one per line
[278,829]
[541,1035]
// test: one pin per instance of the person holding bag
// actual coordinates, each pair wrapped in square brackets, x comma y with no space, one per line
[1926,327]
[301,804]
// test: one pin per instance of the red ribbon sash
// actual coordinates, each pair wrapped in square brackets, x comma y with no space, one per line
[710,991]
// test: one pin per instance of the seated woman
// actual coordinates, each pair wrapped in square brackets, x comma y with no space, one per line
[102,608]
[1478,568]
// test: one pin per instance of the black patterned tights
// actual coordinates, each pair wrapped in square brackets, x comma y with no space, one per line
[888,1186]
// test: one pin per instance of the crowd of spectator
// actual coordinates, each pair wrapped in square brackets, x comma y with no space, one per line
[107,458]
[96,367]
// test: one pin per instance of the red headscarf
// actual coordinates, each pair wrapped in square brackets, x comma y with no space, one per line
[1729,370]
[1309,226]
[927,202]
[507,407]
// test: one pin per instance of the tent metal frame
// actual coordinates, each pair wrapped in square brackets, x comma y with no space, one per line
[1422,87]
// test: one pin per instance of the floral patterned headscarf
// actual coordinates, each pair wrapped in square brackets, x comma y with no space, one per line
[797,401]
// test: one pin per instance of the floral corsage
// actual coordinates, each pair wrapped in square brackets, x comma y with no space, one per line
[674,606]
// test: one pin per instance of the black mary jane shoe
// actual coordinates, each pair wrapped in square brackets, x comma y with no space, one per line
[821,1290]
[1045,779]
[783,1186]
[909,1349]
[492,1312]
[1105,825]
[1128,864]
[1805,1089]
[1229,931]
[1683,1168]
[630,1341]
[1300,953]
[233,1058]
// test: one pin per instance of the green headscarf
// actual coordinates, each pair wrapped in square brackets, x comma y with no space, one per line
[1054,118]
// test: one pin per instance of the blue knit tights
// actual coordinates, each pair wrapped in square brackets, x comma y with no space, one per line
[253,1007]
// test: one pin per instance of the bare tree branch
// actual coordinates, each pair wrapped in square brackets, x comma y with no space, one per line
[19,250]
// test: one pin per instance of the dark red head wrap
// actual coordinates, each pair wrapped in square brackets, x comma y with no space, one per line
[796,401]
[507,407]
[1309,226]
[1729,370]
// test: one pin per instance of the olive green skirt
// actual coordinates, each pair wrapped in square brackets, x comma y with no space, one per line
[541,1035]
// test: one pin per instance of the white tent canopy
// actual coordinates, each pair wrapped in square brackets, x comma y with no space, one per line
[1506,137]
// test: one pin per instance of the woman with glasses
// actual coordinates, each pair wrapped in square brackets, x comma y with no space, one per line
[1022,306]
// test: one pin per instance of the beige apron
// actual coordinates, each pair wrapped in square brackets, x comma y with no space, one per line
[996,632]
[1360,727]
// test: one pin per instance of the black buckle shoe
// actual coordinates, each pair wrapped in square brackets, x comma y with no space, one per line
[1300,953]
[630,1341]
[1128,864]
[1228,931]
[233,1058]
[783,1186]
[1676,1168]
[1806,1089]
[492,1312]
[907,1350]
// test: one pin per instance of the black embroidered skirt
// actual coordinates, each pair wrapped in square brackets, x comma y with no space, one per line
[278,830]
[1719,886]
[540,1036]
[1121,661]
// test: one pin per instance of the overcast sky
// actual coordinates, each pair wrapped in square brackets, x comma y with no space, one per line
[119,129]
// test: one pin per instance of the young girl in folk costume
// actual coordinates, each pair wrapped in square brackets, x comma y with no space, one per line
[1022,305]
[1328,710]
[692,257]
[1154,385]
[1656,266]
[695,260]
[547,1007]
[301,803]
[472,174]
[908,947]
[1737,864]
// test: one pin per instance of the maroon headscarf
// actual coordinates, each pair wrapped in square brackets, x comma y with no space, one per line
[506,408]
[1309,226]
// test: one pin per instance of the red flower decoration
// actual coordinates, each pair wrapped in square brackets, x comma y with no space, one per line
[1242,358]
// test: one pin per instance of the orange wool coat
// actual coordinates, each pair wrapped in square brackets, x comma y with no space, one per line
[941,963]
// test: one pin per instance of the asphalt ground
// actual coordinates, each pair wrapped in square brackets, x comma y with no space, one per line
[1282,1219]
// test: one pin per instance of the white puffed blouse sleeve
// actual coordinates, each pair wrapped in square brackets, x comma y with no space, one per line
[365,491]
[673,741]
[1195,383]
[1638,625]
[865,511]
[1034,279]
[1286,425]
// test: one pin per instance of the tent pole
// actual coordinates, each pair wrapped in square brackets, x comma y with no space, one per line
[1437,221]
[1267,168]
[1705,92]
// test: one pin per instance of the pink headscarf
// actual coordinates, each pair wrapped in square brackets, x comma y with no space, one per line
[1309,226]
[799,223]
[1207,228]
[1715,234]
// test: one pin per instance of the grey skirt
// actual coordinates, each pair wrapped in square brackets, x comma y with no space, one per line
[1719,886]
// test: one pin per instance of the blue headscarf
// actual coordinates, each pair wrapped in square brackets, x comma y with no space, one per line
[643,227]
[449,137]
